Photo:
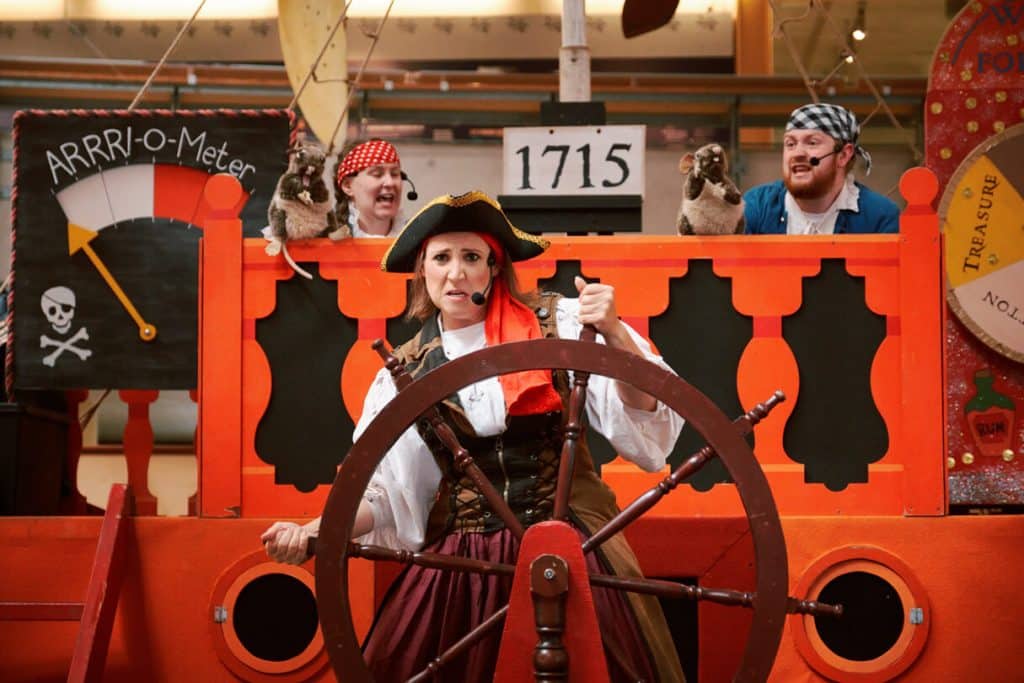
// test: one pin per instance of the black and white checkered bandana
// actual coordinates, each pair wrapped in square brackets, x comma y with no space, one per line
[834,121]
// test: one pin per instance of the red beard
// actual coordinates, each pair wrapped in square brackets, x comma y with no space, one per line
[815,187]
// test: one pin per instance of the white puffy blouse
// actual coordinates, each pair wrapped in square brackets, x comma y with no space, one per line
[403,488]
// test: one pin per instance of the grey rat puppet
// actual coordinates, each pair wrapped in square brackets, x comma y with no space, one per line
[302,207]
[711,204]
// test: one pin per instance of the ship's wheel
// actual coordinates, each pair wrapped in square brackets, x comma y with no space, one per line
[417,398]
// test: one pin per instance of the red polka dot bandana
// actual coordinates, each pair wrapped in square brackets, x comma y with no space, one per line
[365,155]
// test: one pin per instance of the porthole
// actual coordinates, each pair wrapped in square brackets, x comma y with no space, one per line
[264,621]
[885,619]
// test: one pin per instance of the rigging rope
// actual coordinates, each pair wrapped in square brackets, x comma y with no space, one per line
[90,412]
[316,62]
[812,85]
[359,75]
[163,60]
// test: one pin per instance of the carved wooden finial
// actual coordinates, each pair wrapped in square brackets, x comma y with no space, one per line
[919,187]
[223,193]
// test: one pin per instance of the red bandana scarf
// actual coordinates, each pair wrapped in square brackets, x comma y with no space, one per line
[508,319]
[365,155]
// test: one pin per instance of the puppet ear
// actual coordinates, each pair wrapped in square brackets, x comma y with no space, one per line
[686,163]
[300,142]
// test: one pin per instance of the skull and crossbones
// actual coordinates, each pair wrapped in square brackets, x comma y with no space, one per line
[59,308]
[58,304]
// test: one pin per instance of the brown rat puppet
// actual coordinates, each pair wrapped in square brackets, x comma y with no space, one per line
[711,204]
[302,207]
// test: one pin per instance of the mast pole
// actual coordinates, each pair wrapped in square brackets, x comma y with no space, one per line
[574,55]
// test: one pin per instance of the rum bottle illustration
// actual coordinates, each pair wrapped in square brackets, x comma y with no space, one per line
[990,416]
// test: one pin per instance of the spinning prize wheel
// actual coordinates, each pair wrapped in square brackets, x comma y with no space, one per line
[418,398]
[981,214]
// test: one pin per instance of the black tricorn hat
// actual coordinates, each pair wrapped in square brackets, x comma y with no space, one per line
[470,212]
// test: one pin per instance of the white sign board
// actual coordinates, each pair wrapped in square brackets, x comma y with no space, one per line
[574,160]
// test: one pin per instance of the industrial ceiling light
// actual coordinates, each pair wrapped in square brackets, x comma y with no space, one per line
[859,31]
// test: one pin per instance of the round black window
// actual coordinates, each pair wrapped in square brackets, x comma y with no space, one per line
[872,620]
[275,617]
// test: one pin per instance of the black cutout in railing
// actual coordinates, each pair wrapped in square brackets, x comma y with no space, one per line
[835,429]
[398,329]
[562,280]
[702,337]
[306,430]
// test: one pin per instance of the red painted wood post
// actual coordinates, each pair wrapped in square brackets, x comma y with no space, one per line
[582,636]
[220,352]
[921,303]
[138,446]
[93,642]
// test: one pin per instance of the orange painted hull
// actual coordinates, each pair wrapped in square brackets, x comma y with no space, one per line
[165,628]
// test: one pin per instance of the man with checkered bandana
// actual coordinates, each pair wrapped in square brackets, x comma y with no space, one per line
[818,194]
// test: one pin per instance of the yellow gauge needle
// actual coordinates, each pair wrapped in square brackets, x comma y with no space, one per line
[78,239]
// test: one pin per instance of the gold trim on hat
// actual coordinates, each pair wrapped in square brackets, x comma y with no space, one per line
[459,201]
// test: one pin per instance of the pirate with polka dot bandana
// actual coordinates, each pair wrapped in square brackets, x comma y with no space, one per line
[368,189]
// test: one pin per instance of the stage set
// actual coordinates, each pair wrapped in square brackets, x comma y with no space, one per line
[859,398]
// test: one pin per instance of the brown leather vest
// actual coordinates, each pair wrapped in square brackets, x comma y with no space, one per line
[521,463]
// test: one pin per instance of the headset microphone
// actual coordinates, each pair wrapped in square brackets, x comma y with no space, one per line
[817,160]
[412,195]
[480,298]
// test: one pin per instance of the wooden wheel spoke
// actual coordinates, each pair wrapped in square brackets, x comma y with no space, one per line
[418,399]
[574,431]
[430,560]
[812,607]
[645,501]
[720,596]
[461,457]
[461,646]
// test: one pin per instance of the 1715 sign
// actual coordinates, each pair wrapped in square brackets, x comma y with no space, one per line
[574,160]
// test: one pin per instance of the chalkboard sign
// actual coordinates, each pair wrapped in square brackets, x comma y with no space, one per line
[108,210]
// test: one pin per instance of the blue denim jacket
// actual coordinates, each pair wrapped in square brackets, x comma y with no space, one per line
[765,212]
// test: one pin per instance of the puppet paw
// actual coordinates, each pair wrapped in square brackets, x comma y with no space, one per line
[340,233]
[273,247]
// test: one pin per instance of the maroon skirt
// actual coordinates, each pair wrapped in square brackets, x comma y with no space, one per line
[426,611]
